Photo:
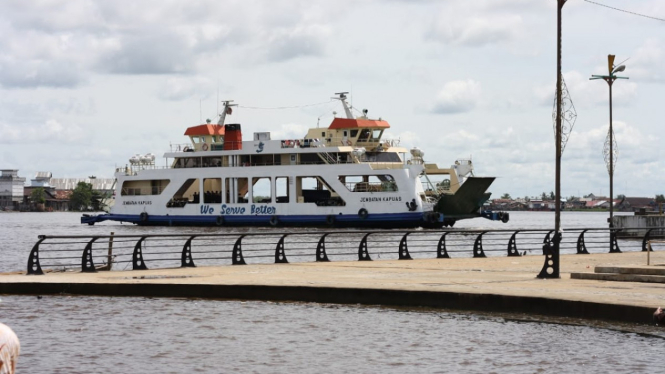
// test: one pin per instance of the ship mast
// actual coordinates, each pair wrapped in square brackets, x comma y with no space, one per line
[227,110]
[341,96]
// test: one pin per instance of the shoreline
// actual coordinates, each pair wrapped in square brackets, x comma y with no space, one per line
[497,284]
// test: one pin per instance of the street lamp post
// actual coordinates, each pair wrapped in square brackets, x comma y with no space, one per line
[610,148]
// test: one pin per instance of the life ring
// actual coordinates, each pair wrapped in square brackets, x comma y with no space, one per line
[505,217]
[219,221]
[362,213]
[186,149]
[274,221]
[348,142]
[330,220]
[204,147]
[144,217]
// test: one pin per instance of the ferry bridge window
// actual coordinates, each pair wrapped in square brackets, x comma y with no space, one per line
[282,189]
[188,193]
[212,190]
[364,135]
[369,183]
[261,190]
[376,135]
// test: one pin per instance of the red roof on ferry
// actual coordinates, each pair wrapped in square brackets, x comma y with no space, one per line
[206,129]
[347,123]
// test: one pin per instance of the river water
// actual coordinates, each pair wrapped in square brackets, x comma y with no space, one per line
[66,334]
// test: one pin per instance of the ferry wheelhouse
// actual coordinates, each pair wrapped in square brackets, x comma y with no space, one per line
[345,175]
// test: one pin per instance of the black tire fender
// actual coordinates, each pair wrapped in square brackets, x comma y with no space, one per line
[362,213]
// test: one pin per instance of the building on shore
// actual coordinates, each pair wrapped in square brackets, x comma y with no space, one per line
[11,189]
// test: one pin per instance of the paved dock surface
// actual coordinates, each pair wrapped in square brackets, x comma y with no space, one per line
[502,284]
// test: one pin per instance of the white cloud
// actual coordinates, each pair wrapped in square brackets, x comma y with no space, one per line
[50,132]
[648,61]
[289,131]
[296,42]
[478,23]
[181,88]
[457,97]
[587,93]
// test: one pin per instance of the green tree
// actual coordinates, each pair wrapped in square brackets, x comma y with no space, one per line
[38,196]
[506,196]
[543,196]
[552,195]
[660,198]
[81,198]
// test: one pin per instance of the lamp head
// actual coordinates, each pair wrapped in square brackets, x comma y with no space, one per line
[619,68]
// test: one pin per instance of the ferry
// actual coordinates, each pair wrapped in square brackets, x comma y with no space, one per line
[345,175]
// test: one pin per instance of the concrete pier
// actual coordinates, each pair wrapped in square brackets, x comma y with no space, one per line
[496,284]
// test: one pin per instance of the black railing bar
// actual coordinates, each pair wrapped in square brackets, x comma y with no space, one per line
[63,243]
[159,253]
[450,231]
[60,258]
[60,250]
[194,251]
[212,258]
[257,249]
[161,259]
[60,265]
[277,234]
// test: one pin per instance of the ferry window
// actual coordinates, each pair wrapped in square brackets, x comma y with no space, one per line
[323,134]
[210,162]
[316,190]
[188,193]
[282,189]
[237,190]
[212,190]
[376,135]
[145,187]
[354,133]
[369,183]
[261,190]
[364,135]
[346,133]
[195,139]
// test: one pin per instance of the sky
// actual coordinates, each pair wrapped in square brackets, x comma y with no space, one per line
[85,84]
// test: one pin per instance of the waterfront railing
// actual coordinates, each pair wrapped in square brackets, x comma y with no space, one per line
[140,252]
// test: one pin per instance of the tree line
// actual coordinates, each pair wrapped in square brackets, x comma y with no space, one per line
[83,198]
[660,198]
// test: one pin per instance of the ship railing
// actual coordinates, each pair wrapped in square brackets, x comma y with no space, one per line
[388,186]
[141,191]
[90,253]
[386,165]
[182,147]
